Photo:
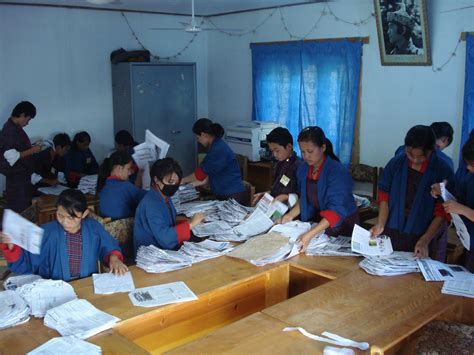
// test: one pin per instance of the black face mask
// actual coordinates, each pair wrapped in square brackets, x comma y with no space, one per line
[169,190]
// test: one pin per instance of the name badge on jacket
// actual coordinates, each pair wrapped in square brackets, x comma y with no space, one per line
[284,180]
[53,170]
[88,160]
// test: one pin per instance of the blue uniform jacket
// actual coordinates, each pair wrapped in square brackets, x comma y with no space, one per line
[464,193]
[81,161]
[155,223]
[223,169]
[334,191]
[401,149]
[53,262]
[119,199]
[394,183]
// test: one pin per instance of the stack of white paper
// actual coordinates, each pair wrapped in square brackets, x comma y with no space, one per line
[159,295]
[324,245]
[363,243]
[13,282]
[88,184]
[79,318]
[293,230]
[150,151]
[185,194]
[203,251]
[189,209]
[109,283]
[434,270]
[397,263]
[228,236]
[463,288]
[13,309]
[22,232]
[215,246]
[67,345]
[53,190]
[153,259]
[233,212]
[212,228]
[42,295]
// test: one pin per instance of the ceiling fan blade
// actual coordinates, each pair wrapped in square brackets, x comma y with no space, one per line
[167,29]
[223,29]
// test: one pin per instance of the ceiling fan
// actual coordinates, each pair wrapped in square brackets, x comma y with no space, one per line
[192,26]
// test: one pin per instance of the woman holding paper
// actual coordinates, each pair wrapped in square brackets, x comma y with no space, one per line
[155,219]
[80,161]
[325,189]
[220,167]
[70,247]
[408,214]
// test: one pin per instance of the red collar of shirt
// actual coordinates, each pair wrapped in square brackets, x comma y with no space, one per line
[318,172]
[423,167]
[113,177]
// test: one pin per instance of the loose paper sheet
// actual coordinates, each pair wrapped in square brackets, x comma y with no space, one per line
[23,233]
[159,295]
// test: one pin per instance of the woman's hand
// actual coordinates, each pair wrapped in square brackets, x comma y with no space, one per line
[304,240]
[196,219]
[421,249]
[376,230]
[435,190]
[7,240]
[454,207]
[116,266]
[257,198]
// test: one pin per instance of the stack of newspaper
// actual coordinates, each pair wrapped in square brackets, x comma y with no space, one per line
[205,250]
[185,194]
[434,270]
[13,309]
[397,263]
[293,230]
[463,288]
[66,345]
[13,282]
[189,209]
[324,245]
[88,184]
[211,228]
[153,259]
[42,295]
[79,318]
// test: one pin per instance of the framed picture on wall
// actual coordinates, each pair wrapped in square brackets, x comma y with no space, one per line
[402,28]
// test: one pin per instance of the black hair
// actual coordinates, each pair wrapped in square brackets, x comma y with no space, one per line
[280,136]
[72,201]
[205,125]
[62,140]
[26,108]
[125,138]
[443,129]
[316,135]
[421,137]
[468,150]
[80,138]
[164,167]
[116,158]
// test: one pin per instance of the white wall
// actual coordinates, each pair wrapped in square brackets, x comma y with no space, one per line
[393,98]
[59,60]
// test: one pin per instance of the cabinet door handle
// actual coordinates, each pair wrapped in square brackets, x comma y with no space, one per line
[175,132]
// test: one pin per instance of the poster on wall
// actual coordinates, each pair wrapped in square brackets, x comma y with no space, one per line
[402,28]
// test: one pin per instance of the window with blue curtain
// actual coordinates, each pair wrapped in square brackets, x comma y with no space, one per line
[300,84]
[468,109]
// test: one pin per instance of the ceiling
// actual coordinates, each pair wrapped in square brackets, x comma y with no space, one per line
[178,7]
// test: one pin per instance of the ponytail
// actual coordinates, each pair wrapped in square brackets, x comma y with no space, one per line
[205,125]
[117,158]
[315,135]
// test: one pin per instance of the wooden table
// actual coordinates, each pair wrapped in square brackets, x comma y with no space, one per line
[243,308]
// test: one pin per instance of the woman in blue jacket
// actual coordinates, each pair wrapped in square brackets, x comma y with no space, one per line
[408,214]
[325,189]
[155,219]
[219,167]
[71,245]
[119,198]
[80,161]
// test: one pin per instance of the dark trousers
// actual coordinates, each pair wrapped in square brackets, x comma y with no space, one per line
[18,192]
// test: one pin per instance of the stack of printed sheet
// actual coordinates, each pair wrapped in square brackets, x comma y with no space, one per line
[13,309]
[397,263]
[88,184]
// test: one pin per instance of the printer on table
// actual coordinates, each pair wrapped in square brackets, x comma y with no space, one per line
[249,139]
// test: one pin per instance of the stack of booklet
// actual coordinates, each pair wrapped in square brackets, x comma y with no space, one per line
[66,345]
[153,259]
[42,295]
[13,309]
[397,263]
[79,318]
[459,287]
[13,282]
[88,184]
[324,245]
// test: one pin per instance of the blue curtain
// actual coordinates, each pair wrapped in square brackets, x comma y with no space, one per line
[468,110]
[300,84]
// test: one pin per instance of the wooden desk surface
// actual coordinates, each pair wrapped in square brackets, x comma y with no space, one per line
[380,310]
[326,266]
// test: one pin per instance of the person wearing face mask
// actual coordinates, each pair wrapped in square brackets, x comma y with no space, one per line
[119,198]
[155,218]
[80,161]
[408,214]
[325,189]
[220,166]
[17,157]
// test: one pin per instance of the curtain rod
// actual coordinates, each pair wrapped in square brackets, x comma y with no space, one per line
[365,40]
